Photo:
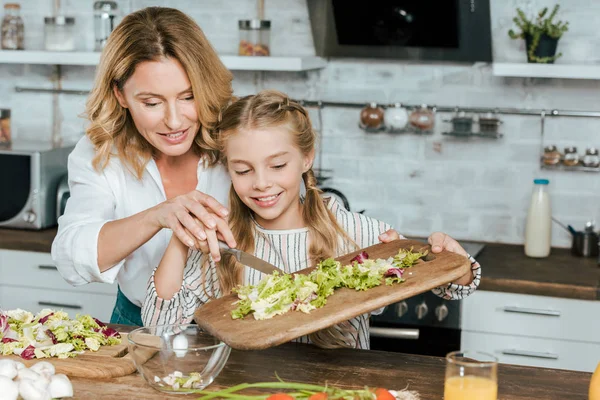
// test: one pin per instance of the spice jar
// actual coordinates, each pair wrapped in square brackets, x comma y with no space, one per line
[551,155]
[254,37]
[371,118]
[5,135]
[461,123]
[571,158]
[422,118]
[488,123]
[591,158]
[105,13]
[59,33]
[395,118]
[13,30]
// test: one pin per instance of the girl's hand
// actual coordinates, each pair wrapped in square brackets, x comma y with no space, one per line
[195,216]
[389,236]
[440,241]
[211,244]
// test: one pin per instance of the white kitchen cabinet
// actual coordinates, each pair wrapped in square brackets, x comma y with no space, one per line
[29,280]
[533,330]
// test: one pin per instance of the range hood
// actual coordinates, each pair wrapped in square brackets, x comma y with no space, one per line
[447,30]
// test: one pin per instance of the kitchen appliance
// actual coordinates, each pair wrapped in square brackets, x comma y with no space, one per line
[31,173]
[451,30]
[62,195]
[424,324]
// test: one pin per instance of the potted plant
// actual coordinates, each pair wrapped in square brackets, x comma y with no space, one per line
[541,35]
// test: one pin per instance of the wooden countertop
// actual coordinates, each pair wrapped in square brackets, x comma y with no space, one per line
[505,267]
[20,239]
[351,369]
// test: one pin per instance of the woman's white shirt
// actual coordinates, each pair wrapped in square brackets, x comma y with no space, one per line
[115,193]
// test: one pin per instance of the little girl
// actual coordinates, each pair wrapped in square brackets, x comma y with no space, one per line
[268,145]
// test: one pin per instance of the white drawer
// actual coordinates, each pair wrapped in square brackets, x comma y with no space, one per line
[97,305]
[536,352]
[31,269]
[540,316]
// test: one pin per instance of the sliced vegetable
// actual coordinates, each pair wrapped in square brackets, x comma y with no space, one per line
[280,396]
[279,293]
[51,334]
[318,396]
[384,394]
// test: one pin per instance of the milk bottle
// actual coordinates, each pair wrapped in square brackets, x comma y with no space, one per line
[538,229]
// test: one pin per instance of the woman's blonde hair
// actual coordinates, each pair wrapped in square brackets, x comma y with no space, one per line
[152,34]
[269,109]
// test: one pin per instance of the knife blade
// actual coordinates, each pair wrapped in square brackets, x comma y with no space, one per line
[249,260]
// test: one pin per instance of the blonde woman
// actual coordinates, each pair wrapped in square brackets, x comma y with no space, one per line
[145,163]
[268,145]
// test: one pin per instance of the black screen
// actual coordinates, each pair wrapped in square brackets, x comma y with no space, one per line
[15,183]
[422,23]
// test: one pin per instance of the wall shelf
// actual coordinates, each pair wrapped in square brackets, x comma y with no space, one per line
[304,63]
[559,167]
[561,71]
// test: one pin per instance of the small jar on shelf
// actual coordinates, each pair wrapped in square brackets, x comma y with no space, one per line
[551,155]
[422,119]
[591,158]
[396,118]
[5,133]
[59,33]
[371,118]
[13,30]
[571,158]
[254,37]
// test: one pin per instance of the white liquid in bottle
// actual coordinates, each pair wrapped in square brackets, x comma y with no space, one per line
[538,230]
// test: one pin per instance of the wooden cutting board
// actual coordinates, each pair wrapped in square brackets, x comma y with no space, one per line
[344,304]
[107,362]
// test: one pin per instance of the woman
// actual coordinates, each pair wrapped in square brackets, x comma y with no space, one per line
[158,91]
[146,161]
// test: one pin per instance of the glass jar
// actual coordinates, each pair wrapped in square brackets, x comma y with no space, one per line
[591,158]
[422,118]
[462,123]
[254,37]
[371,118]
[396,118]
[571,158]
[105,13]
[551,155]
[5,134]
[13,30]
[59,33]
[488,123]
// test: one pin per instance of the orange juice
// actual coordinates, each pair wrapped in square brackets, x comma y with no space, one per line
[470,388]
[595,385]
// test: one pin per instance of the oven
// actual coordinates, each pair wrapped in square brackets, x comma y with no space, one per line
[424,324]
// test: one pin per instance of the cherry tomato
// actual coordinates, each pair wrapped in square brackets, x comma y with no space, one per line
[280,396]
[383,394]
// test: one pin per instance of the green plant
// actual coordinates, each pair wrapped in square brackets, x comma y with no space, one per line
[535,29]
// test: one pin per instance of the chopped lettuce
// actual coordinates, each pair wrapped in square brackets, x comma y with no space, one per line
[52,333]
[277,294]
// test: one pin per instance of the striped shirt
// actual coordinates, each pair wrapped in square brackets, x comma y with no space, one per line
[289,251]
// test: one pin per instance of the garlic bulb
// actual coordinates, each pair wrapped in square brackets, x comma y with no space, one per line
[43,368]
[34,390]
[60,386]
[9,390]
[8,368]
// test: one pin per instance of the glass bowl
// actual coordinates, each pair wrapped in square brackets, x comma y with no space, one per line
[177,358]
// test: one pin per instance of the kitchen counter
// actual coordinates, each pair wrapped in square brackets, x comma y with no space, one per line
[505,267]
[24,240]
[350,368]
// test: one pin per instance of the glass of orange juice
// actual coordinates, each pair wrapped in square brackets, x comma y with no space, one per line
[471,375]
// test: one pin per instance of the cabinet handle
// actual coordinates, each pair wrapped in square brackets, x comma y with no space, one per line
[394,333]
[535,311]
[533,354]
[51,267]
[58,305]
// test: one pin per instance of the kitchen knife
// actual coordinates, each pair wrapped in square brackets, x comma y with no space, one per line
[249,260]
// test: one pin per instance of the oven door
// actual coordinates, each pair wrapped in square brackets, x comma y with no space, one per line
[411,339]
[16,182]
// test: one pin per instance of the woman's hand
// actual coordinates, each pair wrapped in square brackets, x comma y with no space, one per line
[440,241]
[196,216]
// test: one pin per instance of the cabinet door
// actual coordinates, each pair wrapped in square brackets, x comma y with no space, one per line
[33,299]
[536,352]
[33,269]
[539,316]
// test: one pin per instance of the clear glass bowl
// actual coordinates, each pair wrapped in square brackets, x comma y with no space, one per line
[177,358]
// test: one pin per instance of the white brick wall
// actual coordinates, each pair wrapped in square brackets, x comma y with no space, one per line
[471,189]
